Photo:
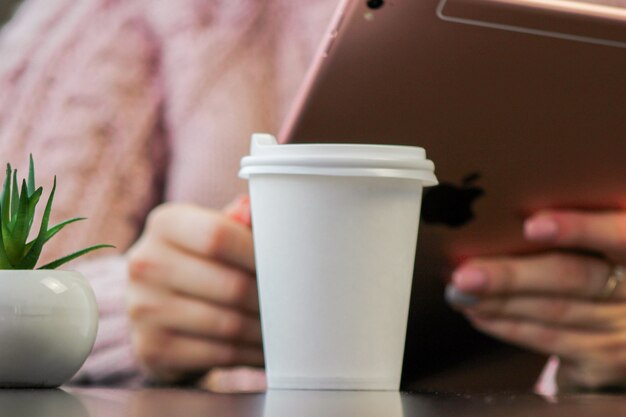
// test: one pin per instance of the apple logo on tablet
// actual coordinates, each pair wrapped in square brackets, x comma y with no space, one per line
[451,204]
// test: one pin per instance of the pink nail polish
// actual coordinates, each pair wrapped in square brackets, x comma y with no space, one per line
[541,228]
[470,280]
[239,211]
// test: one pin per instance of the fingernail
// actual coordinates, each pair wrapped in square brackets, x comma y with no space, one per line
[541,228]
[455,297]
[477,320]
[469,280]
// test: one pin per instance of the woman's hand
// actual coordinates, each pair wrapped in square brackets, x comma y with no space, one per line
[559,302]
[193,301]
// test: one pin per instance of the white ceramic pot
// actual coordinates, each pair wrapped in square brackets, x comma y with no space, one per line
[48,325]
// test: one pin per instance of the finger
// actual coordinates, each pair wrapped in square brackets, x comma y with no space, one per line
[565,312]
[167,352]
[572,344]
[239,210]
[168,268]
[205,233]
[193,317]
[604,232]
[549,274]
[235,380]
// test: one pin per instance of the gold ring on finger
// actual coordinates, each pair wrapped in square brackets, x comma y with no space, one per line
[616,276]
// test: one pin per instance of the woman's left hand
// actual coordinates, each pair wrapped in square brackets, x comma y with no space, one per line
[561,303]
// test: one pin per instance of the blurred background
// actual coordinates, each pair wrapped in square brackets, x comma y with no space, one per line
[6,9]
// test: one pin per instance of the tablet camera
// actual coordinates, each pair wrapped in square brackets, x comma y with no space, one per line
[375,4]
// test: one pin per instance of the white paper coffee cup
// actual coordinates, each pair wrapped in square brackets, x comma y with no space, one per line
[283,403]
[335,231]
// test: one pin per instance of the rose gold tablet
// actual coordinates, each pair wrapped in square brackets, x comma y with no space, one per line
[515,120]
[602,22]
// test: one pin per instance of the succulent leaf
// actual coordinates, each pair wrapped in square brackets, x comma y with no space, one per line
[30,259]
[31,176]
[5,233]
[21,228]
[72,256]
[57,228]
[28,246]
[14,200]
[32,205]
[6,197]
[4,260]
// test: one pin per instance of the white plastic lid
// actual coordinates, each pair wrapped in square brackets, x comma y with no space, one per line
[267,157]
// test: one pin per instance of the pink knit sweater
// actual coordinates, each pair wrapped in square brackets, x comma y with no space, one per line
[135,102]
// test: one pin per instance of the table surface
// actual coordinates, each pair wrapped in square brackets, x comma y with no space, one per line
[101,402]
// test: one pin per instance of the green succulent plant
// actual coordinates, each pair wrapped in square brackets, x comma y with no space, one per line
[17,212]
